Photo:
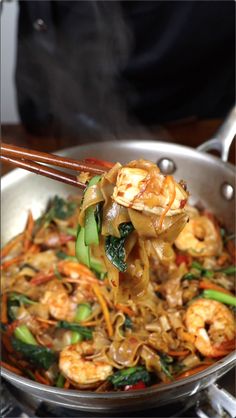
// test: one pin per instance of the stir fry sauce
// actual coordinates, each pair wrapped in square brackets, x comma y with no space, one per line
[124,288]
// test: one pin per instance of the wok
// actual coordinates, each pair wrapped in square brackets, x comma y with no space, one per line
[211,182]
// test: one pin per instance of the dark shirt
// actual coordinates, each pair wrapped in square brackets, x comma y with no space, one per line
[94,67]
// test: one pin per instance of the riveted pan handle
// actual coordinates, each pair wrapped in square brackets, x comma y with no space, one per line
[223,138]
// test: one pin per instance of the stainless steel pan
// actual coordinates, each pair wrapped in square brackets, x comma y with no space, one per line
[211,182]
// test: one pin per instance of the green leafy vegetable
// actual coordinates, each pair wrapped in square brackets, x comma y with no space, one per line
[97,267]
[98,216]
[59,209]
[223,233]
[71,231]
[63,256]
[22,299]
[57,273]
[115,247]
[13,303]
[165,361]
[91,233]
[60,381]
[75,337]
[3,327]
[219,296]
[190,276]
[23,334]
[37,355]
[84,331]
[128,322]
[82,250]
[30,374]
[204,272]
[129,376]
[228,270]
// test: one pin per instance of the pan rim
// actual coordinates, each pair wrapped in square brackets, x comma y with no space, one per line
[7,179]
[20,174]
[226,361]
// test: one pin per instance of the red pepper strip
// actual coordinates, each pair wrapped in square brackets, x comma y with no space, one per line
[9,263]
[182,258]
[97,162]
[65,238]
[42,278]
[11,327]
[182,203]
[232,250]
[138,385]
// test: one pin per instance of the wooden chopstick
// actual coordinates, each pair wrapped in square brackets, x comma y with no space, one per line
[44,171]
[52,159]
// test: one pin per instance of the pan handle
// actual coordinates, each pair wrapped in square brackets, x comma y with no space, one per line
[220,401]
[223,138]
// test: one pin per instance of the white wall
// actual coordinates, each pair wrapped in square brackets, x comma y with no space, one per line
[9,113]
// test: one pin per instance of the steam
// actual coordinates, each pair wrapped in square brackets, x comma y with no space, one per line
[82,73]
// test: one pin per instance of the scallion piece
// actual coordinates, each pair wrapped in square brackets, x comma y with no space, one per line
[82,312]
[228,270]
[219,296]
[23,334]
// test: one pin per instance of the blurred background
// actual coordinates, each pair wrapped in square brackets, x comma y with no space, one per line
[9,111]
[78,71]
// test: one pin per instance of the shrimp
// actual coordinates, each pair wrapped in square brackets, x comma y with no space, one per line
[81,370]
[199,238]
[59,303]
[220,323]
[141,186]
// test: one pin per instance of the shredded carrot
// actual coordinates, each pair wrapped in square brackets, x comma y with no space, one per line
[10,245]
[42,278]
[217,353]
[7,343]
[124,309]
[227,345]
[9,263]
[66,384]
[222,259]
[193,371]
[17,362]
[69,267]
[4,309]
[28,231]
[41,379]
[206,284]
[170,182]
[104,309]
[90,323]
[178,353]
[46,321]
[11,368]
[34,249]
